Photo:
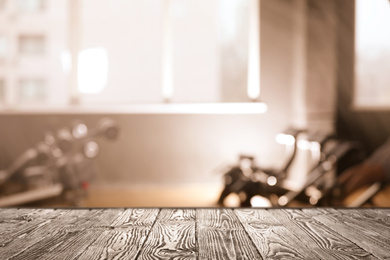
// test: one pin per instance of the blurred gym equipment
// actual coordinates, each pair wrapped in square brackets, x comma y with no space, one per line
[330,155]
[59,166]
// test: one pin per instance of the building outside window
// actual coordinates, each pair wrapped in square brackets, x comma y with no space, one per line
[31,5]
[32,44]
[33,36]
[32,91]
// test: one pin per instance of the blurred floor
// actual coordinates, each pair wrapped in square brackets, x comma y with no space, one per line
[185,196]
[175,196]
[180,196]
[381,199]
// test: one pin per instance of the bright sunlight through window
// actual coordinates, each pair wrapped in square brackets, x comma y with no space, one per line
[92,70]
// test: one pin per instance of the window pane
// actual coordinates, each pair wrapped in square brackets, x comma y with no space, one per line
[130,33]
[372,53]
[32,91]
[233,54]
[195,50]
[32,44]
[210,50]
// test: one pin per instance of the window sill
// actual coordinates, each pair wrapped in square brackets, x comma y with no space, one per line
[178,108]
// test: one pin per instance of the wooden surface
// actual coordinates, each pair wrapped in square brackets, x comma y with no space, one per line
[194,233]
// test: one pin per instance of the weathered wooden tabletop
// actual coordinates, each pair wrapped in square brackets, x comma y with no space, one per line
[151,233]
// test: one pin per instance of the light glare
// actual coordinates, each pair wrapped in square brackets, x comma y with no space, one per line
[285,139]
[304,144]
[271,181]
[167,53]
[66,62]
[254,51]
[260,202]
[92,70]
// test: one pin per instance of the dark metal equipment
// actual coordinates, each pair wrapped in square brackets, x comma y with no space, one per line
[59,166]
[333,156]
[248,180]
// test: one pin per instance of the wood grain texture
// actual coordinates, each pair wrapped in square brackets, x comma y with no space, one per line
[372,219]
[222,236]
[172,236]
[33,228]
[142,233]
[383,212]
[356,231]
[18,221]
[124,238]
[67,237]
[317,237]
[272,239]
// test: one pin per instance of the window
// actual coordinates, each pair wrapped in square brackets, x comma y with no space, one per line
[130,33]
[195,51]
[32,91]
[131,52]
[31,5]
[32,44]
[179,50]
[372,87]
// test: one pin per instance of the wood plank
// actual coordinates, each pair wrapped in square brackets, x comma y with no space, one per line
[375,220]
[385,212]
[372,219]
[8,213]
[67,237]
[124,238]
[189,234]
[354,230]
[172,236]
[32,227]
[271,238]
[14,220]
[222,236]
[24,214]
[323,241]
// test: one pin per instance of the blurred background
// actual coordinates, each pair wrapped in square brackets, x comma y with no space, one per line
[174,102]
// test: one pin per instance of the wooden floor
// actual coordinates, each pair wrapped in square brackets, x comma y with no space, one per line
[194,233]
